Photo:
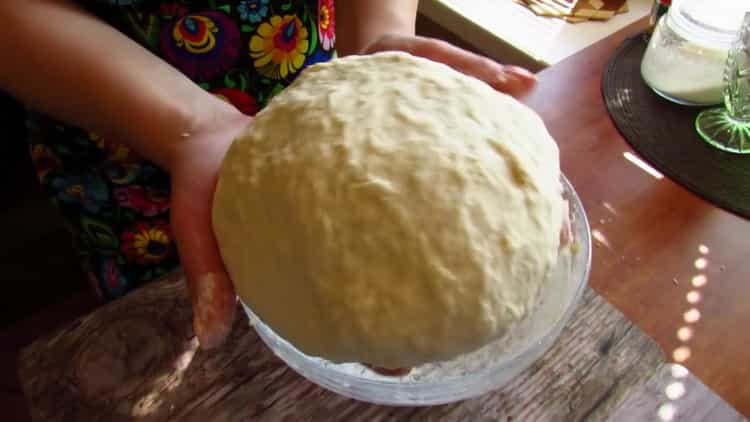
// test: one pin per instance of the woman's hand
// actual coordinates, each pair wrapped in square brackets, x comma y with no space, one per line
[369,26]
[512,80]
[194,172]
[135,98]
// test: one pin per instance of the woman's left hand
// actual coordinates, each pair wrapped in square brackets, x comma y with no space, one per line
[512,80]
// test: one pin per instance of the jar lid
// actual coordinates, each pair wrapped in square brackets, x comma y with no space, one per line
[715,22]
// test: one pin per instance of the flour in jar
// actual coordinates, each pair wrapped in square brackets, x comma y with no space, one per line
[691,72]
[687,53]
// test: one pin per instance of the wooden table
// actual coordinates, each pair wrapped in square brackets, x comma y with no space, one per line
[137,357]
[653,233]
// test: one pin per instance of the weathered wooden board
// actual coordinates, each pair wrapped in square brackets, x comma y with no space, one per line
[691,400]
[137,358]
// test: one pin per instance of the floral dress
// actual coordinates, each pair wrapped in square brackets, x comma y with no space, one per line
[116,203]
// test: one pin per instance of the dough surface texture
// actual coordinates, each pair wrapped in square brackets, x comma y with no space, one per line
[387,209]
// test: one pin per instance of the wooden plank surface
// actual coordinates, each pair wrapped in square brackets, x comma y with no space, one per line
[136,358]
[682,398]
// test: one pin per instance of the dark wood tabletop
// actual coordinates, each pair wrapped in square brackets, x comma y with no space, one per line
[674,264]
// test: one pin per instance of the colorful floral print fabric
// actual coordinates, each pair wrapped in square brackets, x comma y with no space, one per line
[115,202]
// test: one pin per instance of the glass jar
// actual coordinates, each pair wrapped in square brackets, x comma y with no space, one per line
[685,58]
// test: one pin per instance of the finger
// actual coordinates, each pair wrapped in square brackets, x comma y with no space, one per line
[519,81]
[512,80]
[211,291]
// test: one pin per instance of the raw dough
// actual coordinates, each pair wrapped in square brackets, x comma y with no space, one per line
[390,210]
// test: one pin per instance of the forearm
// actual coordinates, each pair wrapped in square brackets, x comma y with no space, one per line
[68,64]
[361,22]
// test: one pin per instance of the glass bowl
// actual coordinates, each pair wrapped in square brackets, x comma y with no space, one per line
[471,374]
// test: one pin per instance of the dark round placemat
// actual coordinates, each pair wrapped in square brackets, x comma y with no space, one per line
[664,134]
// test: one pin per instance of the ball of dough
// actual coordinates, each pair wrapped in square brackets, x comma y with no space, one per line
[390,210]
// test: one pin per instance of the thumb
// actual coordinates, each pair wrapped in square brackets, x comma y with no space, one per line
[211,291]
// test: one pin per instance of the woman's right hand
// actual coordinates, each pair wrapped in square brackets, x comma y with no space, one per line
[194,171]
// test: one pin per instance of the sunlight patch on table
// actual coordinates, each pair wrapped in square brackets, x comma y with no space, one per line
[642,165]
[681,354]
[166,383]
[601,238]
[147,405]
[701,263]
[678,371]
[693,297]
[684,334]
[667,411]
[699,280]
[607,206]
[675,390]
[692,315]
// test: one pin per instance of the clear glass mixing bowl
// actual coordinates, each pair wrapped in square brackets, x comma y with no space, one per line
[468,375]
